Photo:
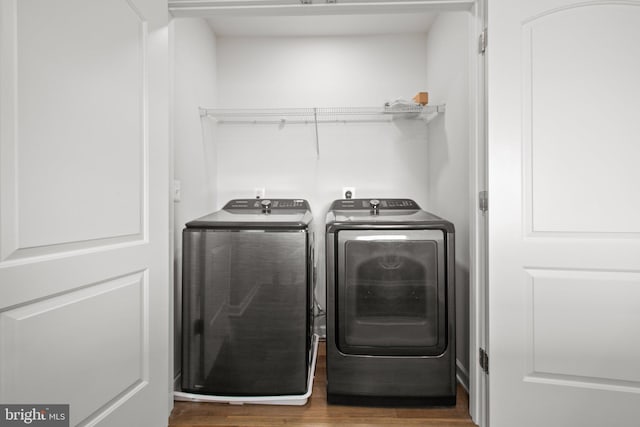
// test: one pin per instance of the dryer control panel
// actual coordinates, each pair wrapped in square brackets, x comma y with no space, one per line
[271,204]
[376,204]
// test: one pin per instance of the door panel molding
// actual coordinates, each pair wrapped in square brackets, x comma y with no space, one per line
[115,331]
[577,6]
[8,128]
[580,347]
[571,129]
[71,180]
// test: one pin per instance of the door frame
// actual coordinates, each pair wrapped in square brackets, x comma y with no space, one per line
[477,130]
[479,286]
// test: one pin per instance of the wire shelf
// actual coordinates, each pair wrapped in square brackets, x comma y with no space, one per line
[322,114]
[316,116]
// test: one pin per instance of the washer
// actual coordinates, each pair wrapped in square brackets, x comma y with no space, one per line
[390,304]
[247,299]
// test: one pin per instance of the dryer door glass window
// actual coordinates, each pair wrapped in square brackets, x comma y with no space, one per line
[391,292]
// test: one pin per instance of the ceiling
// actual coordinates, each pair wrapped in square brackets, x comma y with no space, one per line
[321,25]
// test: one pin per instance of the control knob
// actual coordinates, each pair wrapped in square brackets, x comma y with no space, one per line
[375,206]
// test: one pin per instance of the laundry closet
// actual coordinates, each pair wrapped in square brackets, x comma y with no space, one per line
[288,103]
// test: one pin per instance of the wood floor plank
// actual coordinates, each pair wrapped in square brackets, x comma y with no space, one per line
[317,413]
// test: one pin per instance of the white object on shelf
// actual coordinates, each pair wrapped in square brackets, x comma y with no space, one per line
[293,400]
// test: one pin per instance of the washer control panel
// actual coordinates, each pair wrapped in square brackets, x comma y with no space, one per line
[270,204]
[375,204]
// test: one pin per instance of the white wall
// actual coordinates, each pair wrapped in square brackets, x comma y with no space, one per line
[448,153]
[319,71]
[378,159]
[194,63]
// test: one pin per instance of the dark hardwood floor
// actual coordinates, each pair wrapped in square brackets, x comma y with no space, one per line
[317,412]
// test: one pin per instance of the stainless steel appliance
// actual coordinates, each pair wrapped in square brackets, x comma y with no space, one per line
[390,304]
[247,299]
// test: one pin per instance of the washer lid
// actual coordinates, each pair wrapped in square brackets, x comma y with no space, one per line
[258,214]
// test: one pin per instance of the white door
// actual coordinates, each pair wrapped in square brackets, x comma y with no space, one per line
[564,216]
[84,292]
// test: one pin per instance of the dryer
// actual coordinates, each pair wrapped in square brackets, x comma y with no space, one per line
[390,304]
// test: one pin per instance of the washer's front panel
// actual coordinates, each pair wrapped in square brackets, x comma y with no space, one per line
[245,312]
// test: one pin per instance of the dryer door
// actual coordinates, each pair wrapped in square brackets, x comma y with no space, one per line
[391,292]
